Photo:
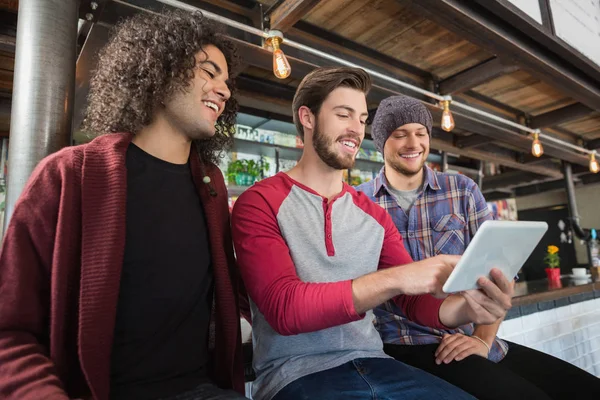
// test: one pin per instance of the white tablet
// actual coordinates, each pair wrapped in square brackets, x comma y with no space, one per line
[505,245]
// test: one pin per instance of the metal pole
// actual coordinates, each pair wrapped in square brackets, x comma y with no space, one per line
[581,233]
[444,161]
[480,174]
[43,87]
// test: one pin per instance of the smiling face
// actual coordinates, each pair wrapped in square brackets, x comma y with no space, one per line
[339,127]
[406,149]
[195,110]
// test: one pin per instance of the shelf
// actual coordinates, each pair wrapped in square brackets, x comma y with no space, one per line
[291,153]
[368,165]
[265,149]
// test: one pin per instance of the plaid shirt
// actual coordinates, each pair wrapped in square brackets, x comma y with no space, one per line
[443,219]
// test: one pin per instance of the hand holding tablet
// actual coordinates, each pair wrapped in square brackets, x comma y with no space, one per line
[505,245]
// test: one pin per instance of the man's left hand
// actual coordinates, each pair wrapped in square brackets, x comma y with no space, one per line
[491,302]
[457,347]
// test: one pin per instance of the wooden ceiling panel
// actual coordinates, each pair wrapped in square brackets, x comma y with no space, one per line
[522,91]
[501,112]
[587,127]
[331,14]
[367,22]
[388,27]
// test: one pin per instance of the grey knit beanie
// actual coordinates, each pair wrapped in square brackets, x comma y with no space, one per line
[394,112]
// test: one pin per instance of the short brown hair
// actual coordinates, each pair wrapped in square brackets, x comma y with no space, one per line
[316,86]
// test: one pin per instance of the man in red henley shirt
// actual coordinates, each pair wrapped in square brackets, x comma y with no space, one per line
[317,256]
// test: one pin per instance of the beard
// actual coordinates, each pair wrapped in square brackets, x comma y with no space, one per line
[396,164]
[326,152]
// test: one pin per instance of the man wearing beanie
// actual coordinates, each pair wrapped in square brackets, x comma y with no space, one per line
[439,213]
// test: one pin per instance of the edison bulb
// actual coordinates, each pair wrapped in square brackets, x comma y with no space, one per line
[281,66]
[537,149]
[594,167]
[447,121]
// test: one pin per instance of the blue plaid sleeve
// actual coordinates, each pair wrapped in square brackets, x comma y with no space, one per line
[478,209]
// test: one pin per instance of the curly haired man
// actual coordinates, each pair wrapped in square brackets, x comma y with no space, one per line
[116,271]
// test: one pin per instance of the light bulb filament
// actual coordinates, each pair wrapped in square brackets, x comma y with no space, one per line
[536,147]
[447,118]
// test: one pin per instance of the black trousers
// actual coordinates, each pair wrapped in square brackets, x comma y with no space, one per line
[523,374]
[207,391]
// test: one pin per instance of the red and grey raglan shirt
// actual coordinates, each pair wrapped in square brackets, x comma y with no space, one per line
[298,254]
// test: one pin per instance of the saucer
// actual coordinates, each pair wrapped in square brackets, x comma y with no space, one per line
[580,277]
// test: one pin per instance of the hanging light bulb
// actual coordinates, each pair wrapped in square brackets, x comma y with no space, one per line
[447,119]
[594,167]
[536,147]
[281,66]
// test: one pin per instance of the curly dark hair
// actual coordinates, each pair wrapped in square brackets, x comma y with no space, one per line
[149,58]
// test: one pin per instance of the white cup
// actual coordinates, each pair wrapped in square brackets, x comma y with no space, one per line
[579,272]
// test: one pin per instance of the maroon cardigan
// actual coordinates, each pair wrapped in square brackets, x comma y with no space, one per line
[60,266]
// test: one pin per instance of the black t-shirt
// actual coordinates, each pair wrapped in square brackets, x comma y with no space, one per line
[161,333]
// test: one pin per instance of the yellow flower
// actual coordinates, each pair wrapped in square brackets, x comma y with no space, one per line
[552,249]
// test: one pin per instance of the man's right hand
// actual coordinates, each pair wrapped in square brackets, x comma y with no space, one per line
[426,276]
[417,278]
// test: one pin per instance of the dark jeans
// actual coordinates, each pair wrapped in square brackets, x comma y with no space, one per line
[523,374]
[370,378]
[208,391]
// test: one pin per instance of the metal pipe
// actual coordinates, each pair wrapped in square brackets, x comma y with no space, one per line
[326,56]
[480,174]
[43,87]
[572,203]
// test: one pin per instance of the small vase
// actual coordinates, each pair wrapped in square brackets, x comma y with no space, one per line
[554,284]
[553,274]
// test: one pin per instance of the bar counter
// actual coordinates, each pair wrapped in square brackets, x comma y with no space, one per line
[542,294]
[561,319]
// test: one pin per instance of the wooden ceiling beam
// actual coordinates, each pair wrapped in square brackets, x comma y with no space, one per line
[594,144]
[303,62]
[499,37]
[560,116]
[473,140]
[475,124]
[531,159]
[493,102]
[350,50]
[475,76]
[509,179]
[11,5]
[477,154]
[266,87]
[265,90]
[287,13]
[542,187]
